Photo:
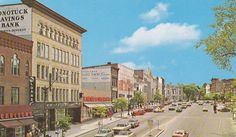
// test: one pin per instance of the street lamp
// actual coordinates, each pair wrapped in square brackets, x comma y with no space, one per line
[45,90]
[128,100]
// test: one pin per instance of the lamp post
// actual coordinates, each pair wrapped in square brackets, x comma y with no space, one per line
[128,101]
[45,90]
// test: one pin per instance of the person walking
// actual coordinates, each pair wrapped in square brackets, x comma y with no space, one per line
[214,108]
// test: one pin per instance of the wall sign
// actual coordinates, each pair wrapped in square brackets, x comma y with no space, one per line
[16,19]
[32,84]
[96,74]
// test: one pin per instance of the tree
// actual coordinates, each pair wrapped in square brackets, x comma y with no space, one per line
[100,111]
[121,104]
[138,98]
[221,45]
[64,124]
[190,90]
[157,96]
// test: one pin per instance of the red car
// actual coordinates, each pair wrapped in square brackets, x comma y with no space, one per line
[148,109]
[139,112]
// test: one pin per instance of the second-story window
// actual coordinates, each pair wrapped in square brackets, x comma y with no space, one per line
[27,68]
[15,65]
[2,65]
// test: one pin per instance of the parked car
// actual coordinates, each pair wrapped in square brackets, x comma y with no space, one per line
[179,109]
[189,104]
[204,109]
[125,134]
[105,132]
[223,108]
[121,127]
[184,106]
[173,104]
[149,109]
[158,110]
[133,123]
[200,103]
[180,133]
[171,108]
[139,112]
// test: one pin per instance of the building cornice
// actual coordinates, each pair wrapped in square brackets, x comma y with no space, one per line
[47,11]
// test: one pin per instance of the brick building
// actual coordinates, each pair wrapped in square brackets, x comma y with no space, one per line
[15,68]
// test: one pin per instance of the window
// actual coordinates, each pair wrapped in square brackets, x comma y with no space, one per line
[67,58]
[46,72]
[72,77]
[77,78]
[72,94]
[42,72]
[38,49]
[67,99]
[53,94]
[56,94]
[2,64]
[56,55]
[38,94]
[63,95]
[60,94]
[15,65]
[75,95]
[1,95]
[53,73]
[42,94]
[38,71]
[59,56]
[46,51]
[15,95]
[27,95]
[27,68]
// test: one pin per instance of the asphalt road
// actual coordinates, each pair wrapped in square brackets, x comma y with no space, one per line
[192,119]
[201,124]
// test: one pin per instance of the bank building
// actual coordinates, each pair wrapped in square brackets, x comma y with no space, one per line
[56,61]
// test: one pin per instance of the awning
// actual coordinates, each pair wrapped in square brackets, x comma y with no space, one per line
[11,124]
[28,121]
[94,105]
[16,123]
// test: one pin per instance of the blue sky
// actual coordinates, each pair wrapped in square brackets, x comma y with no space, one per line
[146,33]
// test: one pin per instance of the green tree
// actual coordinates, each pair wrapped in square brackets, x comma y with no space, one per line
[190,91]
[221,45]
[64,124]
[138,98]
[100,111]
[157,96]
[121,104]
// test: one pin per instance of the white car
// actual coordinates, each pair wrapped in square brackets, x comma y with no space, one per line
[180,133]
[125,134]
[204,109]
[121,127]
[105,132]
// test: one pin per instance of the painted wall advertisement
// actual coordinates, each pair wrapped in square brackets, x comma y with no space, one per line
[96,75]
[16,19]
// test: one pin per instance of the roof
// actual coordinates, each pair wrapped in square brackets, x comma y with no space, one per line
[47,11]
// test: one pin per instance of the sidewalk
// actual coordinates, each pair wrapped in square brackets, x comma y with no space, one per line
[82,128]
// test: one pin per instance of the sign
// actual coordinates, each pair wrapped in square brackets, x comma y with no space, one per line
[32,85]
[16,19]
[16,115]
[96,99]
[96,74]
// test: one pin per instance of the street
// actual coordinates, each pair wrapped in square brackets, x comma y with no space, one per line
[193,120]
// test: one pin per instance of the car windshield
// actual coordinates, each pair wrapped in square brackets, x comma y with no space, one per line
[121,125]
[102,131]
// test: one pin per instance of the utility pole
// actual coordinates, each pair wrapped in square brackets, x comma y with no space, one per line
[128,101]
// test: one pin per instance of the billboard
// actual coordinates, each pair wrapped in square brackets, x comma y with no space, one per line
[96,74]
[16,19]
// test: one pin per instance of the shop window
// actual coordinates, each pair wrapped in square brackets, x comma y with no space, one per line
[15,65]
[15,95]
[2,65]
[1,95]
[27,68]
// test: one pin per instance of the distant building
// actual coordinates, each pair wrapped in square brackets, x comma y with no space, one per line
[207,88]
[222,86]
[174,92]
[100,87]
[161,85]
[16,116]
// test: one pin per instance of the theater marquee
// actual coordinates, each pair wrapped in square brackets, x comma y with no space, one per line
[15,19]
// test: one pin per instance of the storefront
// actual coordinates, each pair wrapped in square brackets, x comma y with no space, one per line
[16,121]
[91,103]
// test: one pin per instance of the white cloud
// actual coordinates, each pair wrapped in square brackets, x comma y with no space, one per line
[155,14]
[138,66]
[162,34]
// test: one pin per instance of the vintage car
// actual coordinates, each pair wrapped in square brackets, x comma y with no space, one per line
[133,123]
[105,132]
[158,110]
[121,127]
[125,134]
[180,133]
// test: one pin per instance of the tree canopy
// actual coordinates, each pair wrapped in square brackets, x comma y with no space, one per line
[64,124]
[157,96]
[138,98]
[190,90]
[121,104]
[221,45]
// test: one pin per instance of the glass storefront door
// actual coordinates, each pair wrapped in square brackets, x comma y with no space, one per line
[20,132]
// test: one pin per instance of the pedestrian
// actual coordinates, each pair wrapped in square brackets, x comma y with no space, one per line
[214,108]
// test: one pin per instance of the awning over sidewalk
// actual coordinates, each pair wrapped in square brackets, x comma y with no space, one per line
[94,105]
[16,123]
[11,124]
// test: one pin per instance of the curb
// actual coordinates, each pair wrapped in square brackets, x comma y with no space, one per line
[160,133]
[93,129]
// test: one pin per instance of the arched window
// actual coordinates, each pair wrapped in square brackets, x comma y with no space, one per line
[2,64]
[27,68]
[15,65]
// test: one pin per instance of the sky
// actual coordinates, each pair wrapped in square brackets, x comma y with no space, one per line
[156,34]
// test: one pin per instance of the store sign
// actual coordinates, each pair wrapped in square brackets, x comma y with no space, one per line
[15,115]
[96,99]
[16,19]
[96,75]
[32,85]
